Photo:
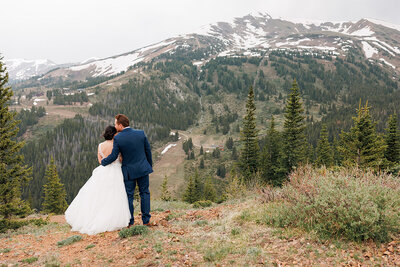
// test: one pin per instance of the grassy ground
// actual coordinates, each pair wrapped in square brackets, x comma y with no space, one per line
[227,234]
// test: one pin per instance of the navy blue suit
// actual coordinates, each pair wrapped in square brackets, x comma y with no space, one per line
[136,167]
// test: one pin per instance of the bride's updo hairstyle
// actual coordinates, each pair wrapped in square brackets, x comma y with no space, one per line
[109,132]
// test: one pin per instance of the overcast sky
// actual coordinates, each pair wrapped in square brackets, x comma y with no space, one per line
[74,30]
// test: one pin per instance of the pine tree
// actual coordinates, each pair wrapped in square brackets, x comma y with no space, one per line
[221,171]
[234,155]
[165,194]
[201,150]
[249,156]
[362,146]
[13,175]
[337,156]
[193,189]
[216,153]
[54,191]
[136,194]
[324,149]
[294,141]
[201,165]
[209,190]
[271,157]
[392,153]
[229,143]
[189,195]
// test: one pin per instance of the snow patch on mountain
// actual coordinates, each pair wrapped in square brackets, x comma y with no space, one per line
[387,63]
[366,31]
[114,65]
[110,66]
[368,49]
[20,69]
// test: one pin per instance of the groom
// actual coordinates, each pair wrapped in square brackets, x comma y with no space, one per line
[136,164]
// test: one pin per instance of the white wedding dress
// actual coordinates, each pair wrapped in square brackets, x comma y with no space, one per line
[101,204]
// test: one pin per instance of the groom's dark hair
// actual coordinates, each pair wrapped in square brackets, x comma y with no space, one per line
[122,119]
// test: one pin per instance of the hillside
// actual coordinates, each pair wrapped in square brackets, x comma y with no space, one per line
[226,234]
[197,84]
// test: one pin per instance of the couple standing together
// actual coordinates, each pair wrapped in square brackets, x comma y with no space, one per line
[105,202]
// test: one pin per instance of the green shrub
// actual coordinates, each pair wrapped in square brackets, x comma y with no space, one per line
[200,223]
[69,240]
[30,260]
[14,225]
[346,203]
[235,231]
[90,246]
[135,230]
[202,204]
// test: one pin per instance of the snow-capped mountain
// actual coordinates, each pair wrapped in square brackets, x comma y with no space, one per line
[378,40]
[20,69]
[255,34]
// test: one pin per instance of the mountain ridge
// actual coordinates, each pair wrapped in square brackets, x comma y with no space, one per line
[379,40]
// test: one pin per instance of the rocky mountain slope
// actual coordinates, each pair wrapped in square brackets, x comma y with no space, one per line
[20,69]
[255,34]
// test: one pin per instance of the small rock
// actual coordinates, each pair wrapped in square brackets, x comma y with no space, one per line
[367,255]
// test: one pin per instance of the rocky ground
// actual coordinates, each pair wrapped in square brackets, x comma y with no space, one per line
[229,234]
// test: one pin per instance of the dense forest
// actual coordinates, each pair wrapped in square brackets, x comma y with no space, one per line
[174,93]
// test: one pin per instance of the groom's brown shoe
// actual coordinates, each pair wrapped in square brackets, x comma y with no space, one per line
[149,224]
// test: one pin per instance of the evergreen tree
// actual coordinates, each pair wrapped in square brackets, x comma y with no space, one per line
[234,154]
[193,189]
[190,144]
[201,150]
[249,156]
[324,149]
[271,157]
[310,153]
[201,165]
[176,136]
[229,143]
[136,194]
[12,172]
[392,153]
[54,191]
[209,190]
[221,171]
[294,141]
[216,153]
[192,154]
[362,146]
[189,195]
[165,194]
[337,156]
[49,94]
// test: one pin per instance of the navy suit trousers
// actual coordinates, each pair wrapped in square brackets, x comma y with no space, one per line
[144,192]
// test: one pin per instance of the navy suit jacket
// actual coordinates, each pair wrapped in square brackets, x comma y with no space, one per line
[136,153]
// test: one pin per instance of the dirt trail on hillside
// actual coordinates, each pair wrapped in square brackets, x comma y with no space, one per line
[170,164]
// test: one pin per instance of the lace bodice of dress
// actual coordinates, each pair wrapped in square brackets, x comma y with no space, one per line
[102,156]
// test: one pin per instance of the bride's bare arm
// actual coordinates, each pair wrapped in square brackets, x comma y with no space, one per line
[120,157]
[98,156]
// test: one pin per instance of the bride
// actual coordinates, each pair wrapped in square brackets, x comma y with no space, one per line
[101,204]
